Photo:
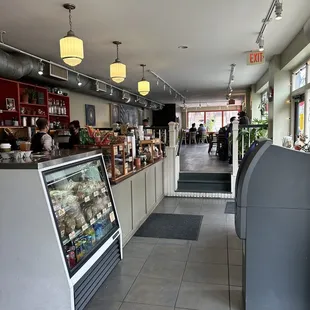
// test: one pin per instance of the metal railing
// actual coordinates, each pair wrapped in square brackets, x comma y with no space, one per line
[182,132]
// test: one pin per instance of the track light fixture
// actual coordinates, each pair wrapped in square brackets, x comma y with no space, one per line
[230,81]
[261,44]
[41,67]
[278,10]
[78,79]
[170,92]
[111,91]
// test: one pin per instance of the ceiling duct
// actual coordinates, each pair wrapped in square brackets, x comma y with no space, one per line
[18,66]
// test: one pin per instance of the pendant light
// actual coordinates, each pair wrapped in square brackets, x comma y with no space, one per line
[117,69]
[143,85]
[71,47]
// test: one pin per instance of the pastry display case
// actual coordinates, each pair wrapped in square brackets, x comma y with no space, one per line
[151,149]
[67,238]
[82,208]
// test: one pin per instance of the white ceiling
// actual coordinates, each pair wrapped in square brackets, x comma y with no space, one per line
[217,32]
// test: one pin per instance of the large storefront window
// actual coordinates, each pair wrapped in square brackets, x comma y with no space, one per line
[213,120]
[227,115]
[197,118]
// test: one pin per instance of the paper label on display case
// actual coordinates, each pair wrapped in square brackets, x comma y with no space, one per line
[72,235]
[87,198]
[120,148]
[103,190]
[109,204]
[96,193]
[115,150]
[104,211]
[112,217]
[99,215]
[61,212]
[92,221]
[130,159]
[84,227]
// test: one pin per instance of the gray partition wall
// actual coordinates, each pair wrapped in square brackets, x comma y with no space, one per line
[273,217]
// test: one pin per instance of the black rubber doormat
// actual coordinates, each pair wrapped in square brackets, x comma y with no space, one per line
[171,226]
[230,207]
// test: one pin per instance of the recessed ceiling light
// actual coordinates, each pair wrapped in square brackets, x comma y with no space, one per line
[183,47]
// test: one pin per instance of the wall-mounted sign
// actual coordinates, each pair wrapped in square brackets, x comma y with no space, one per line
[231,101]
[256,58]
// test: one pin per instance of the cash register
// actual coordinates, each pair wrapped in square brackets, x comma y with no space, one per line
[273,219]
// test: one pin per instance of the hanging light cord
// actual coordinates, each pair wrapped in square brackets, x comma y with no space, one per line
[70,19]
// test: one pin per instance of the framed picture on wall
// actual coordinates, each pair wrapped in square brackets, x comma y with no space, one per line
[114,113]
[90,112]
[10,104]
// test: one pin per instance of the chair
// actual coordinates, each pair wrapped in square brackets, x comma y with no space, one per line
[212,144]
[192,137]
[203,137]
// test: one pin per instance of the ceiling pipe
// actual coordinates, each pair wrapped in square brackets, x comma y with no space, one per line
[23,65]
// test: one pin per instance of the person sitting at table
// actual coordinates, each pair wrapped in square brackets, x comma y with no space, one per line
[202,131]
[193,129]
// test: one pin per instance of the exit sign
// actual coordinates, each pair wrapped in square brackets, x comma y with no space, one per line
[256,58]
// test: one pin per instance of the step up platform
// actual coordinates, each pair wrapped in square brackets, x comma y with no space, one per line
[204,182]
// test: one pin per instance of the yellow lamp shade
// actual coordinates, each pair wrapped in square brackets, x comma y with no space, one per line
[144,87]
[71,50]
[117,72]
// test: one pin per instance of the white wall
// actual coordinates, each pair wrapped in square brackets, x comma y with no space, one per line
[77,109]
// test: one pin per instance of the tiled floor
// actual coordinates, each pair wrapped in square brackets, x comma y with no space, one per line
[165,274]
[196,158]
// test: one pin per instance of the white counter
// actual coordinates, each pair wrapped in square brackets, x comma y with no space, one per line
[137,197]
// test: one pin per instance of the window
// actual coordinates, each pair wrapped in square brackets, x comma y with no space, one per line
[214,121]
[264,105]
[299,78]
[196,117]
[227,115]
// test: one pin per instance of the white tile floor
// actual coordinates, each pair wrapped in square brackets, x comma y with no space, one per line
[166,274]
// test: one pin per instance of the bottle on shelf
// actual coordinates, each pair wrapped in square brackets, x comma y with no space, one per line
[64,109]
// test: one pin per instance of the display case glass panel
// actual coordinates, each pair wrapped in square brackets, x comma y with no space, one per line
[83,209]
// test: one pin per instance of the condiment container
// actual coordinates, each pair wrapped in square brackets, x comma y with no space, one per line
[5,147]
[138,162]
[25,146]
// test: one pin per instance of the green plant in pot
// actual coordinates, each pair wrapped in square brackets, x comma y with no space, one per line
[25,95]
[33,96]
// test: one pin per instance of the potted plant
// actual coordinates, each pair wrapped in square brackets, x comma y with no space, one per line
[33,96]
[25,95]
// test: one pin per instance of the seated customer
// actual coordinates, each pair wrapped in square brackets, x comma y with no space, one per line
[193,129]
[202,132]
[42,141]
[74,128]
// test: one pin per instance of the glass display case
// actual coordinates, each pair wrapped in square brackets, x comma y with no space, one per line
[83,209]
[118,159]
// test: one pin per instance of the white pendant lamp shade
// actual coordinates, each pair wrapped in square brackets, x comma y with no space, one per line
[144,87]
[71,50]
[71,47]
[117,69]
[117,72]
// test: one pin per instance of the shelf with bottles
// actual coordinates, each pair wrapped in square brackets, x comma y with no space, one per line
[58,106]
[83,209]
